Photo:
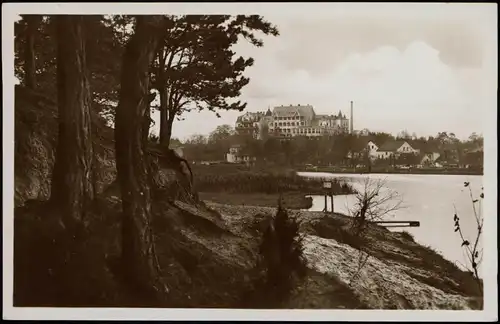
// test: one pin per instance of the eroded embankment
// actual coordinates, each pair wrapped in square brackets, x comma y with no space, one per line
[399,273]
[207,255]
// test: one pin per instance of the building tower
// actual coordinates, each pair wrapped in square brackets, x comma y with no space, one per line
[352,119]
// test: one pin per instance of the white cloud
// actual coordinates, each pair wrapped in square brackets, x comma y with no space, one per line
[396,81]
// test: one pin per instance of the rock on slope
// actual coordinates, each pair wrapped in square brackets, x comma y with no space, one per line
[35,142]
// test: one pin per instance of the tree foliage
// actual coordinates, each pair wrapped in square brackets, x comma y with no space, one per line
[104,47]
[340,150]
[221,133]
[196,70]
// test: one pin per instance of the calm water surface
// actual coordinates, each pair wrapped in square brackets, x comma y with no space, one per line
[429,199]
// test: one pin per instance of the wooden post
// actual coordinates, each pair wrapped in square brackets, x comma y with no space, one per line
[331,199]
[327,185]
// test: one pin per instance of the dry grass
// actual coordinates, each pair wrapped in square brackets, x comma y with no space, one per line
[291,200]
[238,179]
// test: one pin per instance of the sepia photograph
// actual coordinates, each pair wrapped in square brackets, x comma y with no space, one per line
[250,161]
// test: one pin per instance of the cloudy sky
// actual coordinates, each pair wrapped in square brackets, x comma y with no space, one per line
[421,70]
[421,67]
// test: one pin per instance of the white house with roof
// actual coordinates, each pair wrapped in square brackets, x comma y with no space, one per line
[237,155]
[365,146]
[372,148]
[395,148]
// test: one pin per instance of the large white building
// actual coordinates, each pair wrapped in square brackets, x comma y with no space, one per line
[289,121]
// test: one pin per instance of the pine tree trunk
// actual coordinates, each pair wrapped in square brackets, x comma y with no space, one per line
[131,162]
[163,118]
[72,183]
[32,23]
[147,125]
[166,121]
[168,131]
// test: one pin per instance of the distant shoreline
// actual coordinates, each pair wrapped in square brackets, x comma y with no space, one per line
[413,171]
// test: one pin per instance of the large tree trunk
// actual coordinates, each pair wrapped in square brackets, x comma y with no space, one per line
[147,118]
[131,162]
[72,183]
[166,120]
[167,131]
[32,23]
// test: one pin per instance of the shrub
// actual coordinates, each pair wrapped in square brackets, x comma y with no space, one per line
[407,236]
[281,260]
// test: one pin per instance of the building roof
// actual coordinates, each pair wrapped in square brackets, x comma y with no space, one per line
[329,117]
[250,116]
[361,143]
[391,146]
[290,111]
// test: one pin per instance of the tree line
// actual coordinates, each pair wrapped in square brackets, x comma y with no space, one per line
[117,67]
[328,149]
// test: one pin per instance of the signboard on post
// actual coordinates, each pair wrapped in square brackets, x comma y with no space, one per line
[327,186]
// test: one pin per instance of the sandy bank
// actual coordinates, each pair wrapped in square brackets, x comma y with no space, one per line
[399,274]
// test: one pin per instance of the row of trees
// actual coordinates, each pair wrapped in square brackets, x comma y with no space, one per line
[186,59]
[326,149]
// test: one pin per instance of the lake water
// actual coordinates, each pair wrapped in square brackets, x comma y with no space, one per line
[429,199]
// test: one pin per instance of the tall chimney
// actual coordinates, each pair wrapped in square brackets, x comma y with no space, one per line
[352,117]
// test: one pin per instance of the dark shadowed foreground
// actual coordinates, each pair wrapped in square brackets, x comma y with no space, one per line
[207,253]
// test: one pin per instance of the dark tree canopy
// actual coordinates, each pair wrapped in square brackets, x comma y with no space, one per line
[104,48]
[196,68]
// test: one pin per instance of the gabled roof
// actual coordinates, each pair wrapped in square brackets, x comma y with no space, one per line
[290,111]
[252,116]
[391,146]
[361,143]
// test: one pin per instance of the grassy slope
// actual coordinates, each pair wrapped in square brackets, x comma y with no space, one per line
[291,200]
